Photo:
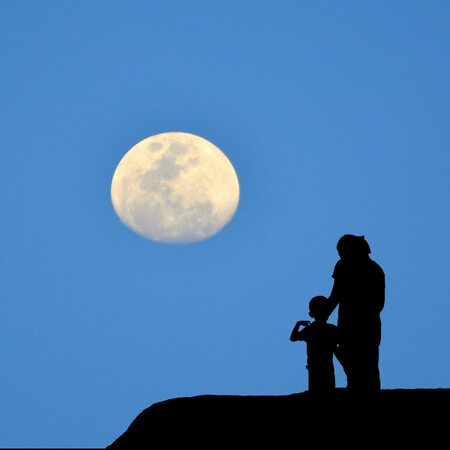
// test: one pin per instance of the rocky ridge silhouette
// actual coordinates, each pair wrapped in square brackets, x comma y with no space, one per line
[414,418]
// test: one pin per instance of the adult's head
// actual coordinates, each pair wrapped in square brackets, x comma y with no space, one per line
[352,247]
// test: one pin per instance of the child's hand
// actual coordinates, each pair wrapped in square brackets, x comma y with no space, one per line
[303,323]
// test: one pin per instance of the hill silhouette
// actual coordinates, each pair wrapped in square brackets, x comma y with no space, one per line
[416,418]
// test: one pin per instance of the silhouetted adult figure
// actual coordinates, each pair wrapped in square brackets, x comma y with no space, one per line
[359,290]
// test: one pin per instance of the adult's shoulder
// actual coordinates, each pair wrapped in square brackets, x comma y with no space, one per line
[376,268]
[338,268]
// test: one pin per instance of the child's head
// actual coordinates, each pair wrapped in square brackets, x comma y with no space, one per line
[318,308]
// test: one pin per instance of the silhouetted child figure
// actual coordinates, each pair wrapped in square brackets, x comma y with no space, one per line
[321,343]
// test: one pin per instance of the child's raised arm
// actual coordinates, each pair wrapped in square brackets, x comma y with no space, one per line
[296,334]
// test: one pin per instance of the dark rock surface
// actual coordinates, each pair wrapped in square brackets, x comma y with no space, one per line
[417,418]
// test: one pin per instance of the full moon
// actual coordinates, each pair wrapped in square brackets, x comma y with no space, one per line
[175,188]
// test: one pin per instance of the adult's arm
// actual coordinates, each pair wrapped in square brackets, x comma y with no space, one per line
[334,297]
[381,298]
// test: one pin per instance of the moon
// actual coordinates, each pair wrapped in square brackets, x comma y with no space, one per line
[175,187]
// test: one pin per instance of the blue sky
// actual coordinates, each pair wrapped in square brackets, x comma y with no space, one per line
[335,116]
